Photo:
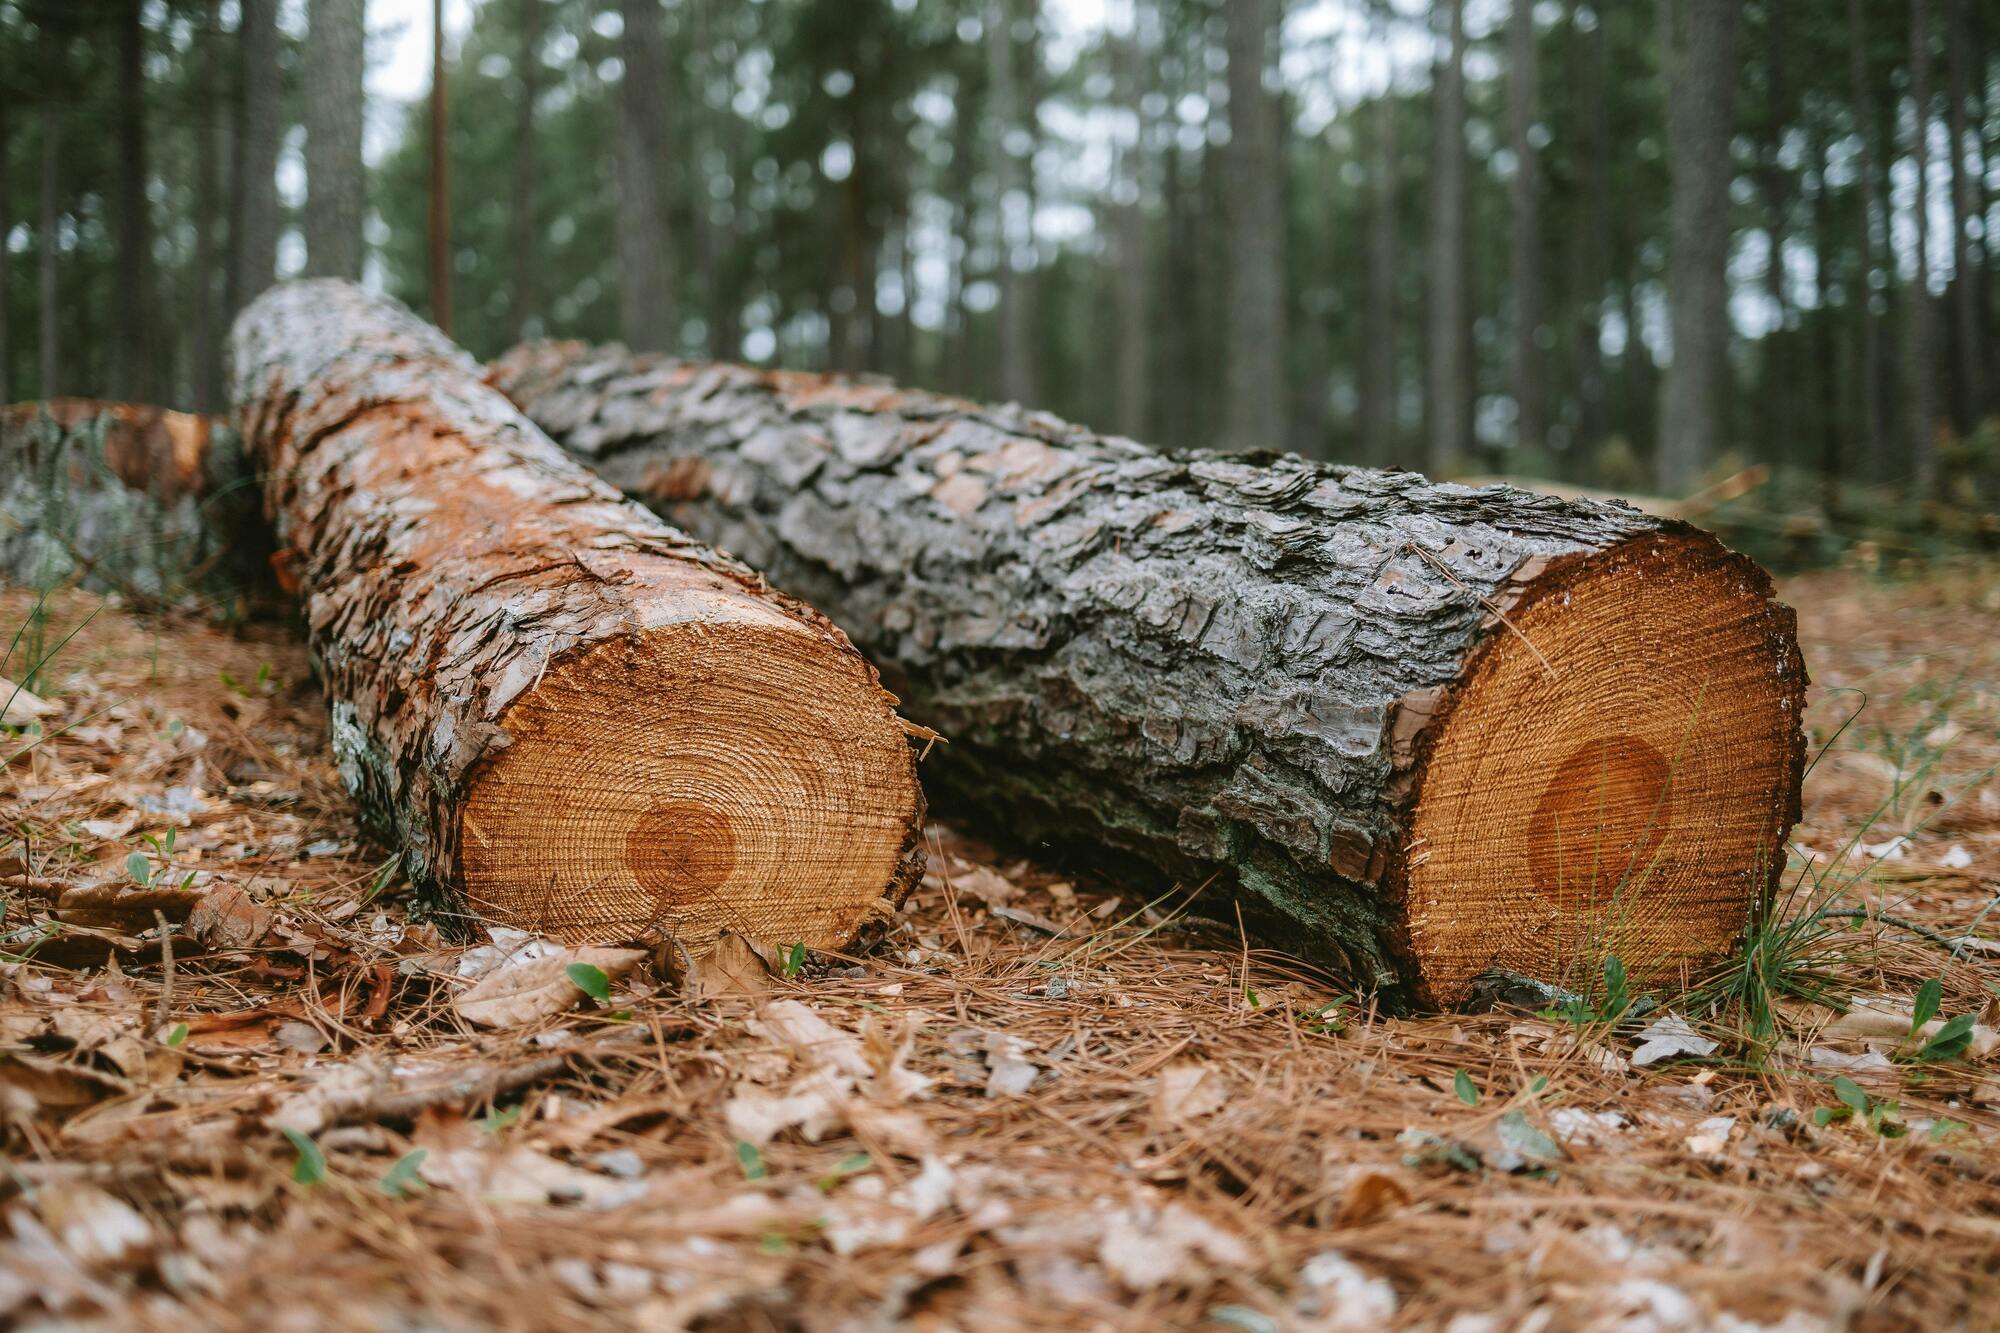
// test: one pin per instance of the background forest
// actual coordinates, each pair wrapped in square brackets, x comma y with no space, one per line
[1633,244]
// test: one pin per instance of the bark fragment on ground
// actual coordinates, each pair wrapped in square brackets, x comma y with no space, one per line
[1432,729]
[582,720]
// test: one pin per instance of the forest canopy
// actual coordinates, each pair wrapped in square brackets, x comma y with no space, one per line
[1630,245]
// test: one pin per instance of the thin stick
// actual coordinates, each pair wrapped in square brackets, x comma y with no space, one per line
[1486,602]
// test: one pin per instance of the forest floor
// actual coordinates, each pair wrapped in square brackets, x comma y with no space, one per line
[1036,1103]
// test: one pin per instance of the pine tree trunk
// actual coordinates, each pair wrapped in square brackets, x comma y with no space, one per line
[6,229]
[1015,369]
[132,343]
[1449,410]
[576,718]
[1129,291]
[522,296]
[54,53]
[1922,343]
[253,233]
[645,244]
[1971,398]
[1429,730]
[1379,323]
[1589,270]
[1874,240]
[1701,40]
[205,343]
[335,180]
[1525,194]
[1254,391]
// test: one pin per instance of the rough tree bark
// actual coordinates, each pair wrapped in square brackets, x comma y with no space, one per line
[335,179]
[1701,40]
[577,718]
[152,504]
[1294,676]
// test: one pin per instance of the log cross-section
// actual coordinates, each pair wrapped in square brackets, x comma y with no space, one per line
[1431,729]
[581,720]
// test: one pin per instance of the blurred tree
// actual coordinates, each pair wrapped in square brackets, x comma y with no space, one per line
[645,229]
[1446,272]
[1922,343]
[335,182]
[1254,414]
[1702,55]
[1524,193]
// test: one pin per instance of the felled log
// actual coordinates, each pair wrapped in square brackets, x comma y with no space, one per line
[120,497]
[580,720]
[1429,730]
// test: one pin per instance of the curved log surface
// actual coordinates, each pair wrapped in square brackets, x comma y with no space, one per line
[581,720]
[1430,729]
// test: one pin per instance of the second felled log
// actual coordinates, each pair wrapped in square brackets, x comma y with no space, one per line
[1430,729]
[579,719]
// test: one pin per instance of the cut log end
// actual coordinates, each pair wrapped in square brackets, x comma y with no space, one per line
[698,776]
[1615,777]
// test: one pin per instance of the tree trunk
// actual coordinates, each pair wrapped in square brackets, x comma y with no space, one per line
[6,229]
[1781,440]
[203,322]
[1254,392]
[437,213]
[135,500]
[1525,193]
[1970,400]
[1922,343]
[1015,377]
[1430,730]
[528,71]
[335,179]
[253,235]
[645,241]
[1874,244]
[132,342]
[1129,291]
[574,716]
[1589,270]
[1379,323]
[54,53]
[1700,38]
[1450,388]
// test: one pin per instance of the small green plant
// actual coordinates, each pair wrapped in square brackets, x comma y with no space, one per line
[852,1164]
[494,1121]
[382,879]
[1588,1010]
[401,1180]
[591,981]
[178,1036]
[794,960]
[1879,1114]
[1329,1019]
[310,1166]
[1462,1084]
[1953,1037]
[156,870]
[750,1160]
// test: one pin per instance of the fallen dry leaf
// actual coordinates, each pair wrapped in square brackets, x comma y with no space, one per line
[1188,1091]
[538,988]
[228,918]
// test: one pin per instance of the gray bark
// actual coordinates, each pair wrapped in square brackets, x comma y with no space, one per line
[1450,386]
[54,55]
[645,242]
[1130,293]
[204,341]
[1701,40]
[1254,415]
[253,233]
[1014,219]
[1182,666]
[336,182]
[1524,192]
